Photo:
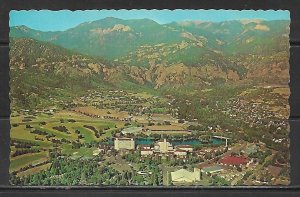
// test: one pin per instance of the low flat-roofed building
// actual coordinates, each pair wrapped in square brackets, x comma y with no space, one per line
[165,128]
[142,146]
[124,143]
[185,176]
[180,152]
[212,169]
[146,152]
[187,148]
[132,130]
[233,161]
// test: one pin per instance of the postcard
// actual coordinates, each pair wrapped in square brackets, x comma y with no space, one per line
[149,98]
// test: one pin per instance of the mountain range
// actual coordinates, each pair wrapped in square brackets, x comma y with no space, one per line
[114,38]
[144,52]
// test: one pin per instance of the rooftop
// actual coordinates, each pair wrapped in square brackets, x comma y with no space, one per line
[124,139]
[165,128]
[132,130]
[233,160]
[213,168]
[184,175]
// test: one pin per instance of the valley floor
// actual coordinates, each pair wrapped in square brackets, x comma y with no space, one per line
[240,138]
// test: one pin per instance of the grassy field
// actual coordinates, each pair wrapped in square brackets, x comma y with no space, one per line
[48,129]
[26,159]
[80,152]
[34,170]
[22,133]
[42,144]
[19,132]
[88,135]
[101,112]
[285,92]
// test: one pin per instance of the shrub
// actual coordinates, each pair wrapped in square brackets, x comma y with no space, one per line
[15,125]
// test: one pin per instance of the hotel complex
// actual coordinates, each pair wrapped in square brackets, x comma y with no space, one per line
[124,143]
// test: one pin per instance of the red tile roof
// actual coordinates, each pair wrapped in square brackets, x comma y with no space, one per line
[233,160]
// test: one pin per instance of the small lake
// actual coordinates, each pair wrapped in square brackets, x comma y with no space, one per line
[146,141]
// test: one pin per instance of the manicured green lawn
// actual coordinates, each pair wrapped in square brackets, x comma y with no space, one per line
[24,160]
[82,152]
[34,170]
[54,132]
[21,133]
[42,144]
[87,134]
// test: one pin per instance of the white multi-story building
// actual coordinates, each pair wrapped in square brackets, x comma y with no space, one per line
[124,143]
[163,146]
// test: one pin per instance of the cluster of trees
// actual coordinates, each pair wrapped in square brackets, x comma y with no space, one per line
[177,161]
[49,135]
[64,140]
[68,120]
[96,132]
[24,151]
[129,108]
[22,144]
[29,167]
[76,144]
[219,181]
[15,124]
[43,123]
[26,120]
[62,129]
[260,155]
[148,165]
[133,157]
[39,132]
[196,128]
[28,126]
[266,177]
[247,175]
[281,158]
[66,171]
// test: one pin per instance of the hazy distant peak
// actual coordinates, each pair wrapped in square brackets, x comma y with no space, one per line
[247,21]
[117,27]
[188,23]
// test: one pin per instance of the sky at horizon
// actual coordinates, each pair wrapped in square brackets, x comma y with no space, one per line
[46,20]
